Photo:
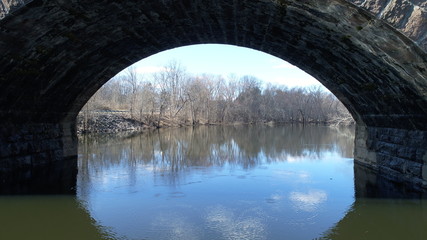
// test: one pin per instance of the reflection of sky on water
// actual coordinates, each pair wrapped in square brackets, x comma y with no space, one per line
[234,225]
[180,192]
[302,176]
[169,225]
[309,201]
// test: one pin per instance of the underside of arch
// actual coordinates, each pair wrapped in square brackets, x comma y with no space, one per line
[56,54]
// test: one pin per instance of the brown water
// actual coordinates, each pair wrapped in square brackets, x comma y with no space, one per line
[254,182]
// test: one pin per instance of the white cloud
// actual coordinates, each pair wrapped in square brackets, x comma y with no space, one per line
[308,202]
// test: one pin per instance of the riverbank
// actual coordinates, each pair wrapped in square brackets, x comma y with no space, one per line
[104,122]
[121,121]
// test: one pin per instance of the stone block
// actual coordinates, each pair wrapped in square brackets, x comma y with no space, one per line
[365,156]
[402,133]
[414,169]
[19,148]
[420,155]
[28,137]
[5,150]
[424,170]
[407,153]
[383,159]
[46,145]
[4,165]
[56,155]
[40,158]
[387,148]
[397,140]
[397,164]
[415,142]
[386,138]
[417,134]
[22,162]
[14,138]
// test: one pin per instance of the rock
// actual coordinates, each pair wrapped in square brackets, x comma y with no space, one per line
[108,123]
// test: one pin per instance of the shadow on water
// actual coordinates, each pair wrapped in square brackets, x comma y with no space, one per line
[382,209]
[47,217]
[56,178]
[369,183]
[375,218]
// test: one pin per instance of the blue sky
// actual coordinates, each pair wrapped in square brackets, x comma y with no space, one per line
[225,60]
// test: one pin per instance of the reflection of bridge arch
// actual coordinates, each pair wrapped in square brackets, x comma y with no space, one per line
[55,55]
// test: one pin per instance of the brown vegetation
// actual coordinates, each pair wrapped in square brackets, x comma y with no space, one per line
[174,98]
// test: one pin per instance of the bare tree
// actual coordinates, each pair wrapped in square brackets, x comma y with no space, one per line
[131,78]
[174,95]
[147,102]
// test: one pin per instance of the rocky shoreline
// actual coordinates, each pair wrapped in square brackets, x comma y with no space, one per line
[117,121]
[109,123]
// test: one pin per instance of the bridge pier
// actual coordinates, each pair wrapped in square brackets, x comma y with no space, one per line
[38,158]
[398,155]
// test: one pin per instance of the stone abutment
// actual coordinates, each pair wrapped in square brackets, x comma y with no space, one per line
[38,158]
[399,155]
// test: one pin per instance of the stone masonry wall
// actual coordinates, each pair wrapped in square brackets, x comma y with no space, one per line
[407,16]
[31,145]
[38,159]
[396,153]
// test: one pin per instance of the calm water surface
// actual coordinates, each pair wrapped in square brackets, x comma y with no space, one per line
[255,182]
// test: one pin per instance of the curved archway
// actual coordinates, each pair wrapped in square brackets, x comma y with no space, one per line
[55,55]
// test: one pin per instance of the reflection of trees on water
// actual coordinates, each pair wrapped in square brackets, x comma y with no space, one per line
[173,150]
[279,143]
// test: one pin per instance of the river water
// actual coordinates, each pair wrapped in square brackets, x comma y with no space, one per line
[236,182]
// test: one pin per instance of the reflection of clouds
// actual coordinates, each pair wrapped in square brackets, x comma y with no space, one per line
[234,227]
[275,197]
[294,176]
[173,226]
[310,201]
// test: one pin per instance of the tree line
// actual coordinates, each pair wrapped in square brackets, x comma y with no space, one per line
[176,96]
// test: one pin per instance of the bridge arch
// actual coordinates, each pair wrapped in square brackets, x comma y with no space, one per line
[55,55]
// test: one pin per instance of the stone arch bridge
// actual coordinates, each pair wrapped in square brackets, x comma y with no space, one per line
[371,54]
